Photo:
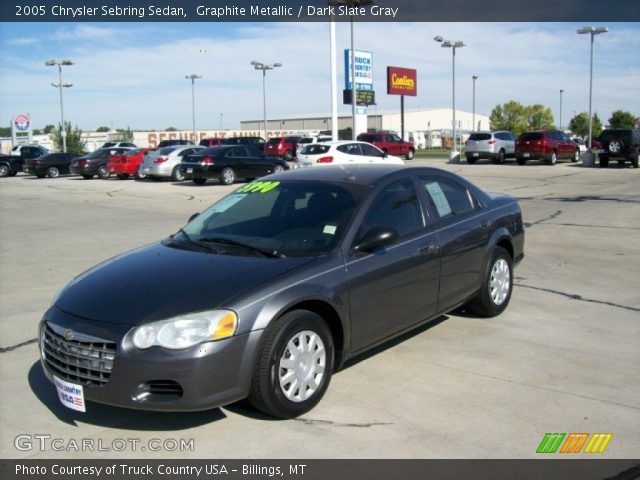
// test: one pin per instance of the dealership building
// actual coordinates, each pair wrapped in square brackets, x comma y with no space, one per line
[419,120]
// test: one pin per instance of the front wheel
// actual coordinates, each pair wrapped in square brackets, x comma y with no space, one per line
[140,175]
[497,284]
[553,158]
[53,172]
[4,170]
[409,155]
[227,176]
[294,365]
[576,156]
[278,168]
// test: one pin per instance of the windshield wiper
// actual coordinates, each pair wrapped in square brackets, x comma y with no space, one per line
[190,240]
[228,241]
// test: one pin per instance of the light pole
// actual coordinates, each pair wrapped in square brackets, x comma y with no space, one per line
[220,120]
[60,86]
[193,78]
[561,92]
[264,67]
[473,115]
[452,44]
[593,31]
[352,4]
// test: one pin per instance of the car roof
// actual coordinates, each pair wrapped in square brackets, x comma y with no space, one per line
[362,174]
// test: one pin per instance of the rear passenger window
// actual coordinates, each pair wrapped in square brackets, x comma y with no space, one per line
[448,198]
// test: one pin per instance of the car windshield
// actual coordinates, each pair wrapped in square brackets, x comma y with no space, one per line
[166,150]
[480,136]
[279,218]
[531,136]
[315,149]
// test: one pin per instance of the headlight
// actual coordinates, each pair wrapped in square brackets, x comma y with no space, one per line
[186,330]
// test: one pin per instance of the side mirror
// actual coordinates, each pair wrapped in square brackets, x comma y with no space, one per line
[192,217]
[384,154]
[376,238]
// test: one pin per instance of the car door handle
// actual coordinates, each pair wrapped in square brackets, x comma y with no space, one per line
[428,249]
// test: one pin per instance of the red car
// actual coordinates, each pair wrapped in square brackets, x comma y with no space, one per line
[283,147]
[126,164]
[547,145]
[389,143]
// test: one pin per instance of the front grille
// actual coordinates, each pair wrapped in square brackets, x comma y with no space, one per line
[83,362]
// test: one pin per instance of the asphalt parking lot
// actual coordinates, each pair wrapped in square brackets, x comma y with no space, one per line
[564,357]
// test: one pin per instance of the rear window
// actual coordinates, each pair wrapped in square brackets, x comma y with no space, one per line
[166,150]
[305,140]
[274,140]
[367,138]
[315,149]
[531,136]
[480,136]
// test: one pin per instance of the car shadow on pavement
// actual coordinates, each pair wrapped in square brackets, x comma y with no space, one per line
[115,417]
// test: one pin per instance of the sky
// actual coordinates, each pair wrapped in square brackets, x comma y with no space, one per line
[132,74]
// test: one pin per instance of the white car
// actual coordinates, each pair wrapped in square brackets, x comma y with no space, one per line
[581,144]
[344,152]
[304,141]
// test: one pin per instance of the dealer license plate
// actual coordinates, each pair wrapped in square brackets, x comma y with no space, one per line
[526,155]
[189,170]
[476,154]
[70,394]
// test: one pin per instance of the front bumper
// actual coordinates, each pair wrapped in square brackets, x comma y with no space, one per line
[202,377]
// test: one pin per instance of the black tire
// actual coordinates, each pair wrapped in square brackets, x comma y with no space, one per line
[199,180]
[576,156]
[410,154]
[140,175]
[635,160]
[471,160]
[521,161]
[4,170]
[53,172]
[103,172]
[176,174]
[288,155]
[87,177]
[228,176]
[501,156]
[278,168]
[553,158]
[486,303]
[604,162]
[266,393]
[123,176]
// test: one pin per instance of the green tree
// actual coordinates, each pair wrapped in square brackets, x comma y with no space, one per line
[75,144]
[5,131]
[539,117]
[102,129]
[48,129]
[580,125]
[171,129]
[126,135]
[37,131]
[621,119]
[509,116]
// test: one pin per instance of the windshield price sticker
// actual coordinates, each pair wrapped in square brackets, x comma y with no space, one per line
[258,187]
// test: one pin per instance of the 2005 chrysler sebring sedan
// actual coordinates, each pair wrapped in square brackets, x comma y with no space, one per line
[268,291]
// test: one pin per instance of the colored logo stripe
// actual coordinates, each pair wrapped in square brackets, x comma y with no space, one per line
[574,443]
[550,443]
[598,442]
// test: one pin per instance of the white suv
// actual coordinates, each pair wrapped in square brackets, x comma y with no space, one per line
[494,145]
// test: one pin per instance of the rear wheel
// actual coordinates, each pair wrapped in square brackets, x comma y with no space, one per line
[140,175]
[501,156]
[4,170]
[410,154]
[53,172]
[123,176]
[199,181]
[294,366]
[497,284]
[576,155]
[176,174]
[103,172]
[553,158]
[227,176]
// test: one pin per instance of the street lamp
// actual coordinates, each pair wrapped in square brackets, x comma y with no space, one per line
[264,67]
[452,44]
[593,31]
[351,4]
[561,92]
[60,86]
[193,78]
[473,117]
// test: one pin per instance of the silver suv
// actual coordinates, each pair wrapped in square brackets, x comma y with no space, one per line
[494,145]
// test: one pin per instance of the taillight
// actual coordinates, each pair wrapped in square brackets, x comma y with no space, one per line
[83,163]
[325,160]
[35,162]
[491,142]
[161,159]
[207,161]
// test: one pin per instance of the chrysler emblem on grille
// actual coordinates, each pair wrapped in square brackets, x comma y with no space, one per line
[68,334]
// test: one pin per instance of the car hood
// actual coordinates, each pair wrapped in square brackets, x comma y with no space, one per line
[159,281]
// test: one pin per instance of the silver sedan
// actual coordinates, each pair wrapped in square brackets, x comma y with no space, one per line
[165,162]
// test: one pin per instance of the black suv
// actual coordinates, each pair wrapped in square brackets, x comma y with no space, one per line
[619,144]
